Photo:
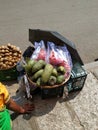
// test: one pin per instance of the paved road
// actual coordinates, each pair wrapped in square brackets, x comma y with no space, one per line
[77,20]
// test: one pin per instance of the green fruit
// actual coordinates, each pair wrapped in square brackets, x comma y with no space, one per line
[52,80]
[61,70]
[29,65]
[60,79]
[47,73]
[37,74]
[38,65]
[38,82]
[54,72]
[27,69]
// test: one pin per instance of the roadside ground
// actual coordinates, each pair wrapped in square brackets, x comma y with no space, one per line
[78,112]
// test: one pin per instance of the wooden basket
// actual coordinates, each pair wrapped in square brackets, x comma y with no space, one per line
[47,86]
[9,74]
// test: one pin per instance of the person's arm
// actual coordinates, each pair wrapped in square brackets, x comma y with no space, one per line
[12,105]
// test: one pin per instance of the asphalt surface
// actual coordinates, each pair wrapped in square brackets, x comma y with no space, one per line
[77,20]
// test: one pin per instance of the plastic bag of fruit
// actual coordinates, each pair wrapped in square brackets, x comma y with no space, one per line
[40,51]
[59,56]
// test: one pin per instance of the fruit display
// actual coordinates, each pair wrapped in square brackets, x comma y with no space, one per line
[9,56]
[49,64]
[44,74]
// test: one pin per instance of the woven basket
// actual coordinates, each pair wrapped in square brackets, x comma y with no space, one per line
[8,68]
[9,73]
[47,86]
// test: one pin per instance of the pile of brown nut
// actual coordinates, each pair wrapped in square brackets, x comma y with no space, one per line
[9,56]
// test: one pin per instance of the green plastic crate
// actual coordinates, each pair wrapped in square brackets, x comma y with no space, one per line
[9,74]
[78,77]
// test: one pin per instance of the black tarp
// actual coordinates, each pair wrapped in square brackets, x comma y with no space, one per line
[53,36]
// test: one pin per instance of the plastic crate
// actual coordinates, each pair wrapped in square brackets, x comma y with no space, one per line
[8,74]
[77,79]
[50,92]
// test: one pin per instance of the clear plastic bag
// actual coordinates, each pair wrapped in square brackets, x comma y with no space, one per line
[65,55]
[59,56]
[39,52]
[52,54]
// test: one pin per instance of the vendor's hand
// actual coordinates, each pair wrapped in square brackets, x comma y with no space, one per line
[28,108]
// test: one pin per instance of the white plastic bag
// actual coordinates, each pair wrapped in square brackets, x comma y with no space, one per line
[59,56]
[40,51]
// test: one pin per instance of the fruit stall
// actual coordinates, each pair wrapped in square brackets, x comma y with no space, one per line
[56,63]
[51,64]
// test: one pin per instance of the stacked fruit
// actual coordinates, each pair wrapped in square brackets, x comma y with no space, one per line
[9,56]
[43,73]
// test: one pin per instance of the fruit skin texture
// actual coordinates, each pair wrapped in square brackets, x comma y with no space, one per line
[38,82]
[61,70]
[54,72]
[52,80]
[60,79]
[31,62]
[47,73]
[29,65]
[38,65]
[37,74]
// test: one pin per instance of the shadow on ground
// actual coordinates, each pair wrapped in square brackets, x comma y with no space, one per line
[42,106]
